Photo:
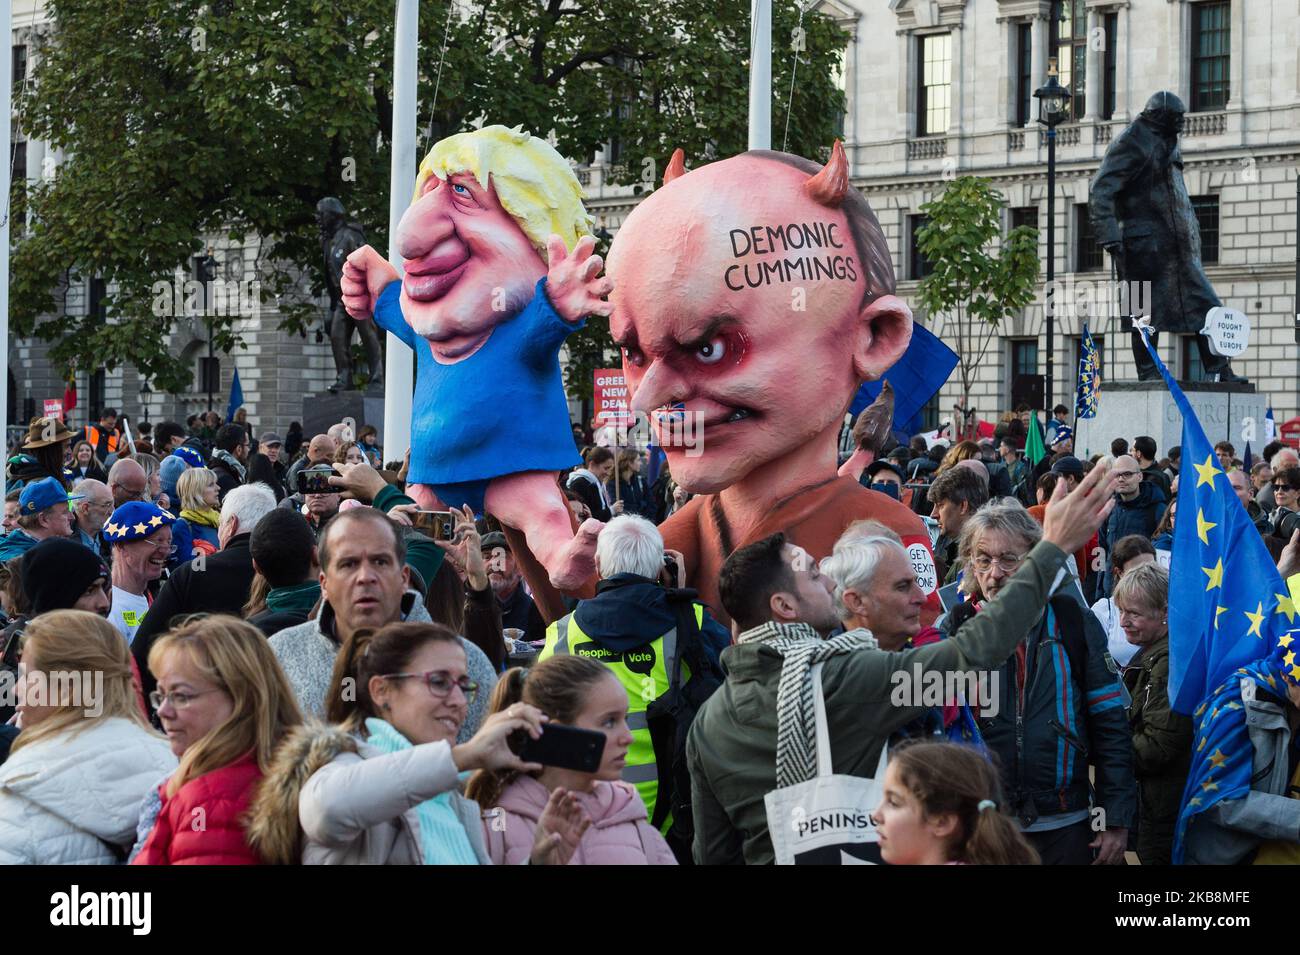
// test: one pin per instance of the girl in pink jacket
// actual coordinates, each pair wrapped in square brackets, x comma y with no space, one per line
[573,691]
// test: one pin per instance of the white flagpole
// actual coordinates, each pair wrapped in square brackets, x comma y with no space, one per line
[760,75]
[6,100]
[399,364]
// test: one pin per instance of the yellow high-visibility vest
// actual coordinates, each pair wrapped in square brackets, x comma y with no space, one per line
[643,672]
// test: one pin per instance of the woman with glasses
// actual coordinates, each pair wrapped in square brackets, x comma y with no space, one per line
[140,534]
[225,705]
[1057,712]
[572,691]
[70,791]
[382,787]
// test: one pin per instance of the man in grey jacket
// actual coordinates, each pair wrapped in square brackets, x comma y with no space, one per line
[731,749]
[364,583]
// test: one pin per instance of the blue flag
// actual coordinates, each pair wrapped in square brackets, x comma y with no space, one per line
[236,398]
[1229,617]
[1089,381]
[1227,602]
[916,377]
[1223,758]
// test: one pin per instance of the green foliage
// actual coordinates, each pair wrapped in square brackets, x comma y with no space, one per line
[186,118]
[970,281]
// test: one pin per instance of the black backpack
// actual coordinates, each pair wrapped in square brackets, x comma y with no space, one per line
[669,720]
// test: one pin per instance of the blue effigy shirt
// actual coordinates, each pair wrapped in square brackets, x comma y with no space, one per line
[500,411]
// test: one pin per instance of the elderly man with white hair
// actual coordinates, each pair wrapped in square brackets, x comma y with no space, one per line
[640,629]
[92,511]
[876,590]
[214,584]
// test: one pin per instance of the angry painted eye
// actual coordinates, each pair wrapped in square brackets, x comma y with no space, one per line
[712,351]
[459,189]
[633,356]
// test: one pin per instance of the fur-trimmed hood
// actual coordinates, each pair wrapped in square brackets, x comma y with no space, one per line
[273,827]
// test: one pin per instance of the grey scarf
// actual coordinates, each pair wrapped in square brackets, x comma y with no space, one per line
[796,725]
[230,461]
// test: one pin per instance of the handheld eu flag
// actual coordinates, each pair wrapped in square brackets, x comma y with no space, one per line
[1229,614]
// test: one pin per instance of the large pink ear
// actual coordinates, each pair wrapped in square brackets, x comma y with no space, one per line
[831,185]
[676,166]
[883,332]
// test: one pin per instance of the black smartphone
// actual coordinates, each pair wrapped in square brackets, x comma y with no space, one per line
[316,482]
[565,747]
[437,525]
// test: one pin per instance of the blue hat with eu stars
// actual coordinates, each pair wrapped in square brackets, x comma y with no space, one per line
[136,520]
[191,456]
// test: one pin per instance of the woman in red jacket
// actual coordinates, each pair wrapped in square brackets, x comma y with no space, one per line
[225,705]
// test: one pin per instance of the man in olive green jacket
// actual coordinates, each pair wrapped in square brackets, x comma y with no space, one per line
[731,748]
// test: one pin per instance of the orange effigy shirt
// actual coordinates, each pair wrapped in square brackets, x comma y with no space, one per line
[814,519]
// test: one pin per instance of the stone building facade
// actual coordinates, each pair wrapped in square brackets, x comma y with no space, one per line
[942,88]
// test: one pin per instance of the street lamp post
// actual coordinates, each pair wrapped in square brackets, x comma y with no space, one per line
[1053,105]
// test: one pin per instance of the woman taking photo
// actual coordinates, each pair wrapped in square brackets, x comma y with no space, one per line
[225,705]
[199,493]
[71,789]
[85,464]
[1162,739]
[572,691]
[382,786]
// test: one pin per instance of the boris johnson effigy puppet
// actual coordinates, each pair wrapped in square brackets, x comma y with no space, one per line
[498,271]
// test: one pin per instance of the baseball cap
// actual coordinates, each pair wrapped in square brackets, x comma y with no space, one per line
[270,438]
[43,494]
[1068,464]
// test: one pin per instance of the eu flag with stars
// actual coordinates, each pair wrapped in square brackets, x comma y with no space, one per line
[1229,617]
[1089,385]
[1227,603]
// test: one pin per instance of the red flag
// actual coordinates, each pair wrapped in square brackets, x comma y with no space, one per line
[70,396]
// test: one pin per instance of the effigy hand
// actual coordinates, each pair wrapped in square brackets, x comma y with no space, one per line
[572,284]
[365,274]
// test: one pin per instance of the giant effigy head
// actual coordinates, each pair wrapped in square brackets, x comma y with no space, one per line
[752,297]
[473,241]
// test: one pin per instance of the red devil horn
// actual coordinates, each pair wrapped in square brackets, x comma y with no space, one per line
[676,166]
[829,186]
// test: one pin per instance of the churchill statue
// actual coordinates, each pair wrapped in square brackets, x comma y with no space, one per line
[340,237]
[1142,215]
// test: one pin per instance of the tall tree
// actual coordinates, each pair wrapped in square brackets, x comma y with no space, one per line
[975,280]
[233,117]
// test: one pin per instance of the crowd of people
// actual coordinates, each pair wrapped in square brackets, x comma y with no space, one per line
[270,633]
